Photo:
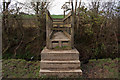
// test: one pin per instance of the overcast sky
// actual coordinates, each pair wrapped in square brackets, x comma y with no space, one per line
[55,7]
[57,4]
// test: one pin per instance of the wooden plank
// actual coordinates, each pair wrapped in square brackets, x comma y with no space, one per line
[59,36]
[57,26]
[49,14]
[58,22]
[72,30]
[65,25]
[49,25]
[69,14]
[51,34]
[67,34]
[59,29]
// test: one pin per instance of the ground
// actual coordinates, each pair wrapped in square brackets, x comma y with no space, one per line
[101,68]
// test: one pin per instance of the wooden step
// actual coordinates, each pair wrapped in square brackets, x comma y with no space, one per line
[59,55]
[57,22]
[60,65]
[61,74]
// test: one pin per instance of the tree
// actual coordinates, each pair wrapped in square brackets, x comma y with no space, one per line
[5,14]
[40,7]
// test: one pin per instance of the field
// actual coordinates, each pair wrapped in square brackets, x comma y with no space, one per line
[32,16]
[102,68]
[57,16]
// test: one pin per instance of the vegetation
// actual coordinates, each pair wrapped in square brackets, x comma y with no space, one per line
[96,37]
[102,68]
[19,68]
[62,48]
[95,31]
[57,16]
[27,16]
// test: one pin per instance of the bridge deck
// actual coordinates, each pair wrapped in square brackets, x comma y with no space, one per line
[59,36]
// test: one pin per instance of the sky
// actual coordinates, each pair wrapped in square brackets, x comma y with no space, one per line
[55,7]
[57,4]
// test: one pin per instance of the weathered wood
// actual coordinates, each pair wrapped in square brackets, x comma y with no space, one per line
[69,14]
[62,38]
[59,36]
[47,35]
[57,22]
[65,25]
[49,25]
[64,14]
[68,35]
[62,29]
[72,30]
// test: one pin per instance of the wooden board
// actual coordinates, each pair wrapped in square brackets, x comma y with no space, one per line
[59,36]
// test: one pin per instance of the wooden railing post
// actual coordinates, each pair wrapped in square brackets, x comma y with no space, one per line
[72,30]
[69,20]
[49,25]
[64,14]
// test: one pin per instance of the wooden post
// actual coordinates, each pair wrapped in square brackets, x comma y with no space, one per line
[60,43]
[47,30]
[64,13]
[49,25]
[72,30]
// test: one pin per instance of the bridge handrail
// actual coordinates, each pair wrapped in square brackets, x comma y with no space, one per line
[48,13]
[69,19]
[68,15]
[49,26]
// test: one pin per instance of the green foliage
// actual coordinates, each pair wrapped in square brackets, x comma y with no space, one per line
[91,33]
[88,30]
[62,48]
[98,51]
[19,68]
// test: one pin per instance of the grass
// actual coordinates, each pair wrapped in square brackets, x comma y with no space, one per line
[62,48]
[101,68]
[53,16]
[57,16]
[19,68]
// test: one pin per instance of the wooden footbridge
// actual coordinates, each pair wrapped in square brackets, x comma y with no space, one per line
[63,62]
[60,32]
